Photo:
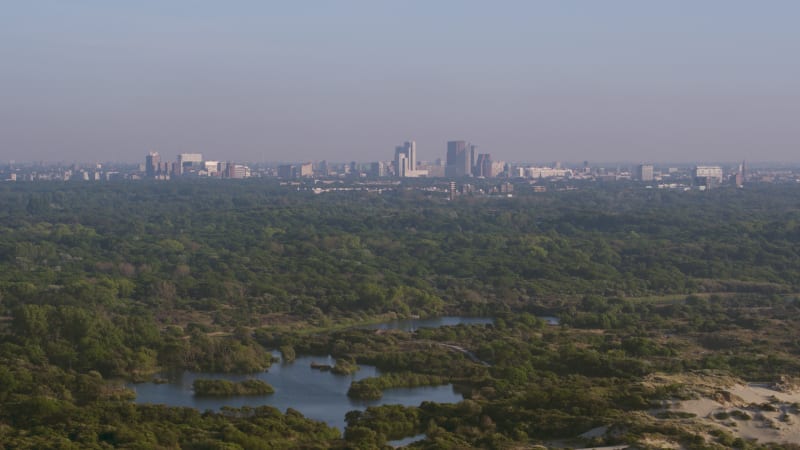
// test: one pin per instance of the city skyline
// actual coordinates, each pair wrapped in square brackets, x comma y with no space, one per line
[526,81]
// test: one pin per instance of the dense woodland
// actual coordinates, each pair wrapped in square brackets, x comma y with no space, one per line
[118,282]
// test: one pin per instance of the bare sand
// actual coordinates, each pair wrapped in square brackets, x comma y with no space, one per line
[750,411]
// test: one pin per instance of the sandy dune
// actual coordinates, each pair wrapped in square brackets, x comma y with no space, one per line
[750,411]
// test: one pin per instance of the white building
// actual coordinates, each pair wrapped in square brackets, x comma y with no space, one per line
[712,173]
[405,161]
[190,161]
[644,172]
[546,172]
[212,167]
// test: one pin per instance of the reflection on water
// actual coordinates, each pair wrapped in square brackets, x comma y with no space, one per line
[317,395]
[436,322]
[405,441]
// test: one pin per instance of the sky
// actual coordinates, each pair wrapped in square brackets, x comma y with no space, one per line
[342,80]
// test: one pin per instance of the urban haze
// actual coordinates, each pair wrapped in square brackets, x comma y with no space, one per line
[618,80]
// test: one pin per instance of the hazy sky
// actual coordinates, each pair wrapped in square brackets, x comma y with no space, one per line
[255,80]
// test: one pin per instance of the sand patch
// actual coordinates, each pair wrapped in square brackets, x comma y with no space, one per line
[750,411]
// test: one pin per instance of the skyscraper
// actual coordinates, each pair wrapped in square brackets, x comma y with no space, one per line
[460,159]
[483,166]
[644,172]
[405,159]
[152,164]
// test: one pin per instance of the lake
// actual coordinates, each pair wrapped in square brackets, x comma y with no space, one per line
[317,395]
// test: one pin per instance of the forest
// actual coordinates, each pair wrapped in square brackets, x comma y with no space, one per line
[119,282]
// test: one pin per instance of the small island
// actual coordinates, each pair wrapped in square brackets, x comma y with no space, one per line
[225,388]
[344,367]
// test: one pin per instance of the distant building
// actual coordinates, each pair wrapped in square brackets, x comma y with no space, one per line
[405,161]
[483,166]
[306,170]
[460,159]
[506,188]
[452,190]
[405,158]
[238,171]
[401,165]
[644,172]
[708,175]
[498,168]
[378,169]
[211,168]
[436,170]
[323,169]
[546,172]
[289,171]
[190,162]
[152,164]
[286,171]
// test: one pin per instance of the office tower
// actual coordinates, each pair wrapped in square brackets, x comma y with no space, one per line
[211,168]
[322,168]
[713,173]
[644,172]
[189,161]
[472,154]
[460,159]
[708,176]
[378,169]
[400,163]
[498,167]
[306,170]
[286,171]
[152,163]
[237,171]
[483,166]
[405,159]
[454,150]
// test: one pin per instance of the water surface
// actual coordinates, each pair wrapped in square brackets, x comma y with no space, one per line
[317,395]
[435,322]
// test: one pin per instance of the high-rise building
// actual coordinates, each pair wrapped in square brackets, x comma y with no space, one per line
[483,166]
[152,164]
[378,169]
[644,172]
[322,168]
[401,164]
[405,159]
[460,159]
[286,171]
[291,171]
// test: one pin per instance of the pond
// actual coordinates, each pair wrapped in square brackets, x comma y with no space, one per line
[317,395]
[436,322]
